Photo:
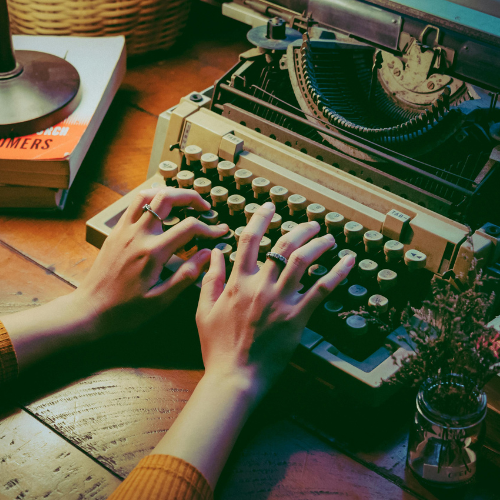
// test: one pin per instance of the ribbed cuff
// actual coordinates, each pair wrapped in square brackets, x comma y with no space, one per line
[164,477]
[8,359]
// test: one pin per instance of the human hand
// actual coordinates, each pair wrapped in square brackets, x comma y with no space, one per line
[122,289]
[251,327]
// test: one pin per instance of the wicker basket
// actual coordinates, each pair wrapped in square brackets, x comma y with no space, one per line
[147,24]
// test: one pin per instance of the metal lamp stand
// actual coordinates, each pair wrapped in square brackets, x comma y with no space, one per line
[37,90]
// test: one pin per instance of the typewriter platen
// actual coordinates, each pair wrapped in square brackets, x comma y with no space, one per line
[388,149]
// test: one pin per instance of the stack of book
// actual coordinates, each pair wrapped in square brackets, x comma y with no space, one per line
[36,171]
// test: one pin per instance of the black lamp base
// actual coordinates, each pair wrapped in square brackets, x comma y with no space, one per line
[41,91]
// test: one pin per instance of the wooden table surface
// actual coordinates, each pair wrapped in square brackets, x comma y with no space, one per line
[76,433]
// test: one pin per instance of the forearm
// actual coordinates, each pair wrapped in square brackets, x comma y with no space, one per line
[207,428]
[42,331]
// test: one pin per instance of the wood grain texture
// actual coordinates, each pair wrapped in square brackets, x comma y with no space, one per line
[37,463]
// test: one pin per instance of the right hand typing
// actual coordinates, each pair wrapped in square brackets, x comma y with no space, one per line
[251,327]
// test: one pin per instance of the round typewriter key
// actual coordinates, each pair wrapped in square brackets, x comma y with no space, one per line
[314,273]
[287,226]
[379,303]
[228,238]
[226,169]
[202,185]
[275,223]
[265,245]
[356,325]
[243,177]
[168,169]
[250,209]
[237,233]
[347,251]
[219,194]
[373,241]
[316,212]
[260,265]
[209,161]
[279,194]
[333,307]
[185,179]
[415,260]
[353,232]
[357,294]
[210,217]
[226,249]
[334,222]
[387,279]
[193,153]
[296,203]
[169,222]
[393,250]
[236,203]
[367,268]
[232,258]
[261,187]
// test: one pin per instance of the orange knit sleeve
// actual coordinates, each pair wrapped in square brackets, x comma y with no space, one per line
[163,477]
[8,359]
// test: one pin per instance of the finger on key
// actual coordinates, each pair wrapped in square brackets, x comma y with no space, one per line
[134,211]
[213,284]
[248,243]
[288,243]
[325,286]
[184,232]
[301,259]
[167,198]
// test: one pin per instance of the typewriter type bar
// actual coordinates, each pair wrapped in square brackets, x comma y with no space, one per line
[397,242]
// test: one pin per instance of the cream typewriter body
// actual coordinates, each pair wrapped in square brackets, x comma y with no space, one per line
[268,130]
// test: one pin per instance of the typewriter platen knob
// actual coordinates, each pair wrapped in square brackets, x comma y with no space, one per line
[334,222]
[185,179]
[353,232]
[415,260]
[393,250]
[316,212]
[373,241]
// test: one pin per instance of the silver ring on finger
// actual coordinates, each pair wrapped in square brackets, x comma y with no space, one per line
[277,257]
[147,208]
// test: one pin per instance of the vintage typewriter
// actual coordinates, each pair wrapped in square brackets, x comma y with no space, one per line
[377,120]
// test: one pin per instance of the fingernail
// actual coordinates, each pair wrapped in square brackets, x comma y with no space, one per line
[223,226]
[314,223]
[348,261]
[329,237]
[268,205]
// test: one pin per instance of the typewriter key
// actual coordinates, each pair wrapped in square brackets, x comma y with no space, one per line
[357,294]
[169,169]
[287,226]
[250,209]
[393,251]
[347,251]
[193,156]
[279,195]
[415,260]
[264,245]
[387,279]
[210,217]
[353,232]
[226,170]
[237,233]
[243,179]
[373,241]
[273,230]
[228,238]
[261,187]
[357,326]
[203,186]
[316,212]
[219,195]
[367,269]
[314,273]
[209,163]
[185,179]
[334,222]
[226,250]
[297,205]
[236,204]
[379,303]
[232,258]
[170,222]
[332,308]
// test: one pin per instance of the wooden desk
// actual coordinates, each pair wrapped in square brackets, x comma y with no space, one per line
[78,432]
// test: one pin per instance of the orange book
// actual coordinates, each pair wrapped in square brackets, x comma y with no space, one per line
[51,158]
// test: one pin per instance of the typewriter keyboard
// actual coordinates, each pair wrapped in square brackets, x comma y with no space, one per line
[385,276]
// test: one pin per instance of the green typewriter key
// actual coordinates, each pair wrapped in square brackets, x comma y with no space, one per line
[250,209]
[357,294]
[415,260]
[170,222]
[316,212]
[287,226]
[378,303]
[193,158]
[353,232]
[185,179]
[237,233]
[261,187]
[374,241]
[393,251]
[169,169]
[387,279]
[210,217]
[297,206]
[209,163]
[334,223]
[357,326]
[332,308]
[203,186]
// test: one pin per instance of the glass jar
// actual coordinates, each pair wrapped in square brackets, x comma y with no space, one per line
[443,448]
